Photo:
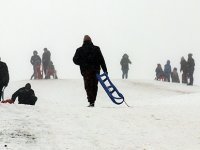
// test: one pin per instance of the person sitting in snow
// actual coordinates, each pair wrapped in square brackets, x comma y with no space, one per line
[174,76]
[25,96]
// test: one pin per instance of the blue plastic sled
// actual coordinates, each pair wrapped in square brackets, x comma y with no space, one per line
[110,89]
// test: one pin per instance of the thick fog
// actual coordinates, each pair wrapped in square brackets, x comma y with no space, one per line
[149,31]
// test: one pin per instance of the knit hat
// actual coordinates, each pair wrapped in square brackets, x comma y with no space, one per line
[87,38]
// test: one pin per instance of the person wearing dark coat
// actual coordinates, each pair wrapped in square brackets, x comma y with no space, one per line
[25,95]
[174,76]
[167,71]
[184,70]
[4,77]
[46,58]
[190,64]
[125,65]
[159,72]
[90,59]
[36,62]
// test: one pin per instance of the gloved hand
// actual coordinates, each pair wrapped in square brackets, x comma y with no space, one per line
[10,101]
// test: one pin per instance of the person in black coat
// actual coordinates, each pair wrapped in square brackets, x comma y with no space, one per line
[190,64]
[25,95]
[125,65]
[46,58]
[184,69]
[90,59]
[4,77]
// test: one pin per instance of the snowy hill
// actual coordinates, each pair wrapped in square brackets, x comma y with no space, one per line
[162,116]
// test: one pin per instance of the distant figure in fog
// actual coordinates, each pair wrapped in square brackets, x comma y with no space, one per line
[46,58]
[191,65]
[184,69]
[159,72]
[51,71]
[174,76]
[36,62]
[125,65]
[167,71]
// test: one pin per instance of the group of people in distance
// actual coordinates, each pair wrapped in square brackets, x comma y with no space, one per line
[186,67]
[47,65]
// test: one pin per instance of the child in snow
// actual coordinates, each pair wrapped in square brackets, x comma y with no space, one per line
[174,76]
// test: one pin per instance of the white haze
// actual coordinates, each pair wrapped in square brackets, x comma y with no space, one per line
[149,31]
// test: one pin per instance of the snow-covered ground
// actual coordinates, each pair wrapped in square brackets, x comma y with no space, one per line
[162,116]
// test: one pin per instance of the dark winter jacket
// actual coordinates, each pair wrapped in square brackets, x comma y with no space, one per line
[35,60]
[184,66]
[167,69]
[4,74]
[159,72]
[24,96]
[125,62]
[89,57]
[46,57]
[191,64]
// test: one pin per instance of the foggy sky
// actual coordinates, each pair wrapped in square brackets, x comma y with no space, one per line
[149,31]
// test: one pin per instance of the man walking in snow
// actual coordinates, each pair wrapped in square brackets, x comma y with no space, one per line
[4,77]
[90,59]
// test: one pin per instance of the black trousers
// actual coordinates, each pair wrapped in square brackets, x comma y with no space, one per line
[30,101]
[91,85]
[190,76]
[124,73]
[184,77]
